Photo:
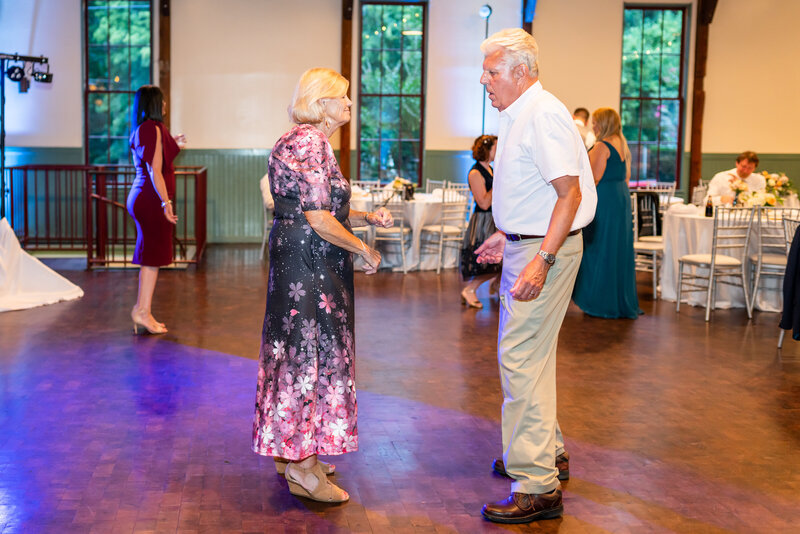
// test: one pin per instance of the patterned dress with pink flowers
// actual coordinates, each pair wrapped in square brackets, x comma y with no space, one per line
[306,397]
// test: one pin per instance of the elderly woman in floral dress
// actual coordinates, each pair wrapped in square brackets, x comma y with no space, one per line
[306,398]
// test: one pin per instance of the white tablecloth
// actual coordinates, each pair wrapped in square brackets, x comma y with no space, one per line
[424,209]
[689,231]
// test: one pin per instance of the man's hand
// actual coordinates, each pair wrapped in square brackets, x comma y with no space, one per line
[531,280]
[491,250]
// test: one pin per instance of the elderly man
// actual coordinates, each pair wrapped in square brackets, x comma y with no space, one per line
[720,190]
[543,195]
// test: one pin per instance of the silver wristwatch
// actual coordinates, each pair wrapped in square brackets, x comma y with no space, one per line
[549,259]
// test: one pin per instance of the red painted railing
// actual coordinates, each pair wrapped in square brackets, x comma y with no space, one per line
[52,206]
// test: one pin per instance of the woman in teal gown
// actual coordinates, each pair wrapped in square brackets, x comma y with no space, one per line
[606,283]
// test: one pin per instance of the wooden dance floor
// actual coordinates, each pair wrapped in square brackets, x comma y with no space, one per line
[672,424]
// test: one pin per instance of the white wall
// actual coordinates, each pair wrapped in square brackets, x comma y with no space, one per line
[753,80]
[48,115]
[455,95]
[235,65]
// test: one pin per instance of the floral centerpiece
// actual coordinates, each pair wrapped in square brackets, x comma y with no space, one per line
[778,184]
[740,190]
[757,198]
[404,187]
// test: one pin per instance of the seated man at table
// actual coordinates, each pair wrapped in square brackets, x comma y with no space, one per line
[719,189]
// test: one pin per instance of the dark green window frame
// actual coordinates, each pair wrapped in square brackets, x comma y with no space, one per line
[118,52]
[652,90]
[391,95]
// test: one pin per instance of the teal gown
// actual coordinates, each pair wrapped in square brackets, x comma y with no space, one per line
[606,283]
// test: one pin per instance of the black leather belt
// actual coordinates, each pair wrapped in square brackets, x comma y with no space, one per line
[520,237]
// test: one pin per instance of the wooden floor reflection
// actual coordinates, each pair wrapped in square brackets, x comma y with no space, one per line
[673,424]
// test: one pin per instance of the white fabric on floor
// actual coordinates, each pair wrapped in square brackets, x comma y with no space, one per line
[26,282]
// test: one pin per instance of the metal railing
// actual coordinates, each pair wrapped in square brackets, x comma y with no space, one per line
[51,207]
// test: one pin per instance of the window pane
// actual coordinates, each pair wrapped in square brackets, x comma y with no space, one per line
[410,118]
[673,29]
[140,67]
[669,112]
[98,114]
[412,73]
[390,117]
[371,26]
[98,66]
[370,112]
[140,24]
[670,76]
[370,160]
[635,149]
[632,36]
[650,120]
[118,21]
[120,68]
[391,71]
[97,15]
[651,35]
[667,163]
[392,26]
[409,152]
[98,150]
[630,119]
[119,152]
[120,114]
[631,74]
[371,72]
[390,158]
[651,66]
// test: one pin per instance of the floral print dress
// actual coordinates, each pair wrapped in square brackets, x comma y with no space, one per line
[306,397]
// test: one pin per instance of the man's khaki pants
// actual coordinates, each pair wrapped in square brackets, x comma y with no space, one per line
[526,351]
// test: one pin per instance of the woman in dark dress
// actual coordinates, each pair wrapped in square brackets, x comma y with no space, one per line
[481,223]
[150,200]
[606,283]
[306,396]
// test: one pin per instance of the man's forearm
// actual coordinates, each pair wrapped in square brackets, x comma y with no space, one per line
[561,220]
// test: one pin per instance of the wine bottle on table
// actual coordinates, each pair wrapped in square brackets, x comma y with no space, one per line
[709,208]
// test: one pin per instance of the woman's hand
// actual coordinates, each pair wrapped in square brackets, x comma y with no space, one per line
[171,217]
[372,258]
[181,140]
[382,217]
[491,251]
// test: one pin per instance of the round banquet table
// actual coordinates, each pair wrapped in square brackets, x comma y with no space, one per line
[423,209]
[689,231]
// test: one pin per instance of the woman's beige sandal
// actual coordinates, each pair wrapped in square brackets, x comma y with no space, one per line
[281,463]
[313,484]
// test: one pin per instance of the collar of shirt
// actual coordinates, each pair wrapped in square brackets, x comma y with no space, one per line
[515,108]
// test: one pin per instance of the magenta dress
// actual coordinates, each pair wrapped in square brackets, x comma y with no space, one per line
[153,230]
[306,394]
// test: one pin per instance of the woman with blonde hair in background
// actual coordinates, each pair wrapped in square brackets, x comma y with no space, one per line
[606,283]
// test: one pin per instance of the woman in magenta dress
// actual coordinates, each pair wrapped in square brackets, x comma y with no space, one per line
[150,200]
[306,396]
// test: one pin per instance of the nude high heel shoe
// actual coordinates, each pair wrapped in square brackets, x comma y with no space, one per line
[469,298]
[144,321]
[325,491]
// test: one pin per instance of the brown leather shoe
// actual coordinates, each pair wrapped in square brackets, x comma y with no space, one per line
[524,507]
[562,463]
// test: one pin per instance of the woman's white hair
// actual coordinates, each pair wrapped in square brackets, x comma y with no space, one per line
[314,85]
[519,48]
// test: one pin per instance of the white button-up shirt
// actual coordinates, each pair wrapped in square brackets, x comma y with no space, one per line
[538,142]
[720,185]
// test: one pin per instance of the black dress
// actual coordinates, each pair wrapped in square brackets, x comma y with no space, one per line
[306,399]
[481,226]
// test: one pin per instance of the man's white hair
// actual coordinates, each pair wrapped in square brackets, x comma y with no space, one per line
[519,48]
